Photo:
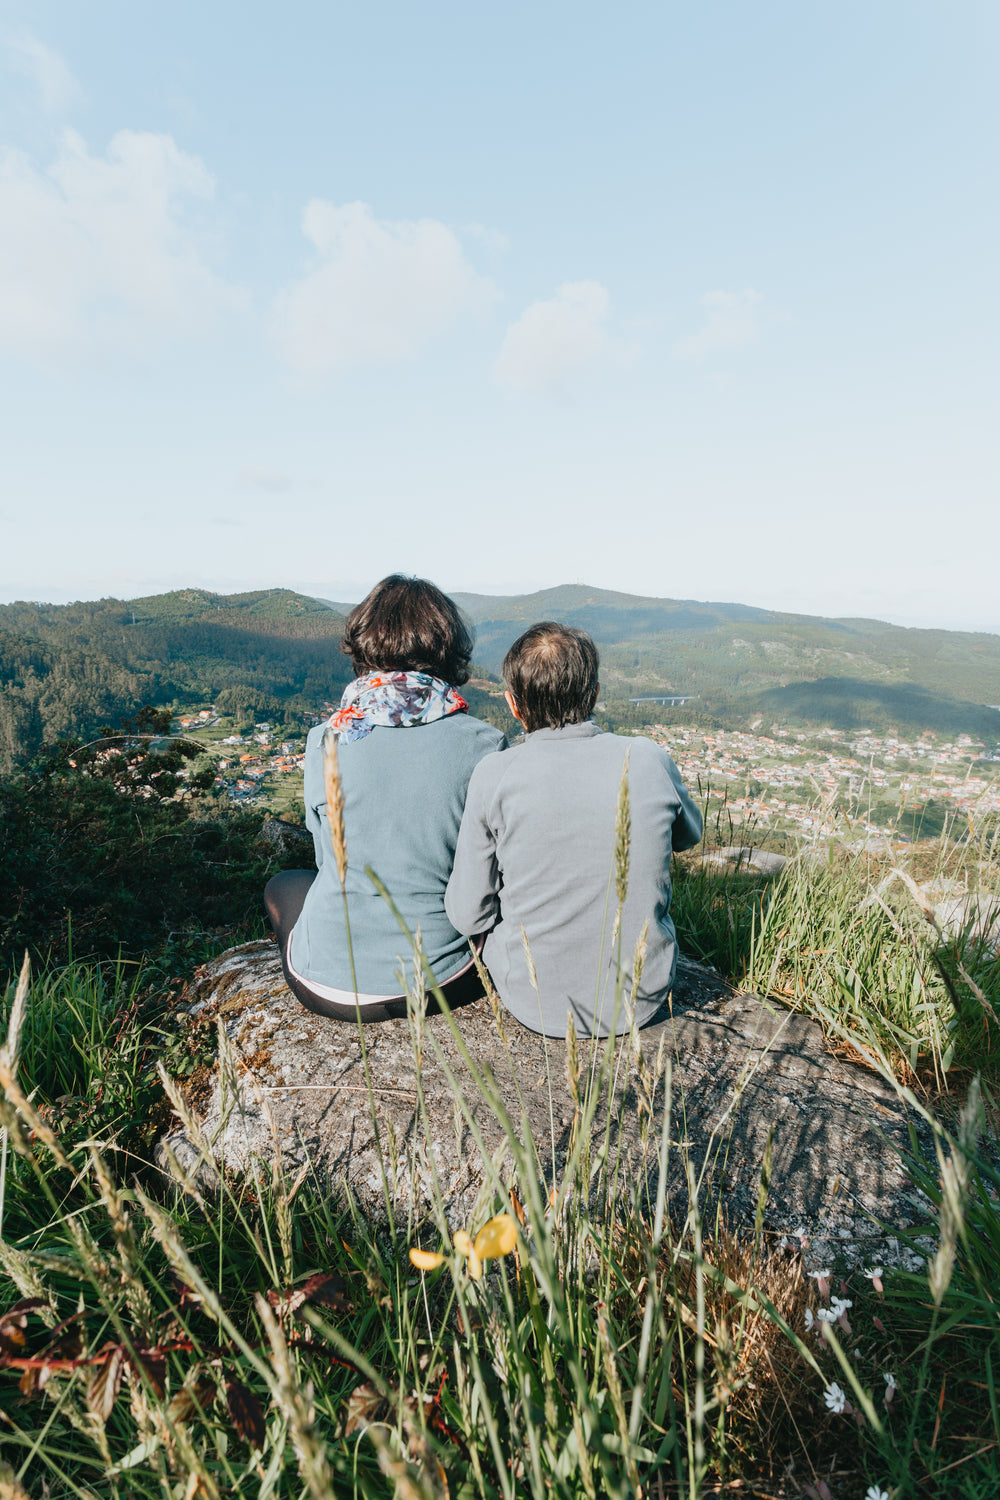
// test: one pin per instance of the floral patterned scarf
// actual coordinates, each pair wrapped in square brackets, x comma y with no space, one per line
[393,700]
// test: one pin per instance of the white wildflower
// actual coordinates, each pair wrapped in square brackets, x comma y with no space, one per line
[873,1492]
[821,1275]
[872,1275]
[810,1320]
[839,1305]
[827,1315]
[835,1399]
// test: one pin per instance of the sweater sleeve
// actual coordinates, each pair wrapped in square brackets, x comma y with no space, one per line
[688,826]
[472,899]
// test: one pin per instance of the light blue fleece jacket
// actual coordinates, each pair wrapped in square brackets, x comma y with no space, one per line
[536,851]
[404,790]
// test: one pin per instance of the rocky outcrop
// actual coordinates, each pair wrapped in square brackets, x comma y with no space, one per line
[286,839]
[294,1084]
[746,858]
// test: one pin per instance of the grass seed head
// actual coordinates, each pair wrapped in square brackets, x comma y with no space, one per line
[529,960]
[11,1050]
[572,1060]
[334,789]
[623,834]
[295,1402]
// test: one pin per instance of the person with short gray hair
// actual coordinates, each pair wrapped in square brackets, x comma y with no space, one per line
[534,863]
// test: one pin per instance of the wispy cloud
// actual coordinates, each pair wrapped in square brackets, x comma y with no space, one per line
[252,477]
[57,89]
[493,240]
[555,341]
[379,292]
[103,248]
[732,319]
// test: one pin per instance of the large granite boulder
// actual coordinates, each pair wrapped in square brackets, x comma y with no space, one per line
[294,1084]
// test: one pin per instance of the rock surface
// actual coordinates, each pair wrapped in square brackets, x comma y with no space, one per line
[745,858]
[285,838]
[295,1083]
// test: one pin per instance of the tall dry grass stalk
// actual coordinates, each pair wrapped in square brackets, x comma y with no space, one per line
[623,834]
[9,1055]
[955,1172]
[334,789]
[295,1402]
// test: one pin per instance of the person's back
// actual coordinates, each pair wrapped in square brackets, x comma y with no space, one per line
[398,754]
[404,789]
[536,851]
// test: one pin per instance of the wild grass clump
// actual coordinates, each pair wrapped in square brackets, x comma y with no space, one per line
[858,943]
[717,910]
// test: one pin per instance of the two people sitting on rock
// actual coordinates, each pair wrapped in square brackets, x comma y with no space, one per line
[511,847]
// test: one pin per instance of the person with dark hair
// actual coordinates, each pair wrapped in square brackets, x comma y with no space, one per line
[405,747]
[541,837]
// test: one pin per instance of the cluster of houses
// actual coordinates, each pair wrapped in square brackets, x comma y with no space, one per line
[244,771]
[201,720]
[823,764]
[255,767]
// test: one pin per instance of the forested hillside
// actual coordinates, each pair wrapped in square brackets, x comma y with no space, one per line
[66,669]
[737,660]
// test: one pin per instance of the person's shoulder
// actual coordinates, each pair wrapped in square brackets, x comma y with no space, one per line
[644,752]
[642,745]
[482,730]
[636,746]
[490,771]
[473,735]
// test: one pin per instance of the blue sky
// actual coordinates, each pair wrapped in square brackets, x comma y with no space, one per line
[693,301]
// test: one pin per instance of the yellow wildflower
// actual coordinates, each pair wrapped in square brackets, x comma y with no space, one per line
[426,1260]
[465,1247]
[496,1238]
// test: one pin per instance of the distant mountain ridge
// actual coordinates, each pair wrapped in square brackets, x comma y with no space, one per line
[66,668]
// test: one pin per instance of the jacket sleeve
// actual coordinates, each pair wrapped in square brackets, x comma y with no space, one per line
[688,826]
[314,796]
[472,898]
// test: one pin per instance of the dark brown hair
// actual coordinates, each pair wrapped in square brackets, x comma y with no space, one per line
[408,625]
[551,674]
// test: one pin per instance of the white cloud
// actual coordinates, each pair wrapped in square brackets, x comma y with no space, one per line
[56,86]
[380,291]
[732,320]
[554,341]
[100,248]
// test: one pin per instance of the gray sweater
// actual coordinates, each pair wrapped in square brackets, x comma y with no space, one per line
[536,849]
[404,790]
